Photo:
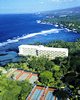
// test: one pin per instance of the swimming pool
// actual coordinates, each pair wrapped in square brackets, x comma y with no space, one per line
[36,94]
[49,96]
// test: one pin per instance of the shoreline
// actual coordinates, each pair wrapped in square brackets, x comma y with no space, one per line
[59,25]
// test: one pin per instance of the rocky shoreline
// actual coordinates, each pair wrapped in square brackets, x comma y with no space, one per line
[59,25]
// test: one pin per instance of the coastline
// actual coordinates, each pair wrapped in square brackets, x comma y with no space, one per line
[59,25]
[51,32]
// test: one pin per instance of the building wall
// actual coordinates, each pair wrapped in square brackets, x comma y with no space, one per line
[27,51]
[43,51]
[52,54]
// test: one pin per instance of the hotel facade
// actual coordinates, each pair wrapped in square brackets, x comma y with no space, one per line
[40,50]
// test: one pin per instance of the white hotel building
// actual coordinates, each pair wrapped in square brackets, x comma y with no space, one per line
[40,50]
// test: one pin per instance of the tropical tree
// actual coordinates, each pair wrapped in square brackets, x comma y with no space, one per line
[13,90]
[46,77]
[61,94]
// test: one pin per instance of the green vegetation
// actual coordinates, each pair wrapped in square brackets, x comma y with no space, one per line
[71,22]
[54,73]
[61,94]
[46,77]
[13,90]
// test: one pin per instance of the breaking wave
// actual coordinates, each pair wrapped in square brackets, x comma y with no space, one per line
[45,32]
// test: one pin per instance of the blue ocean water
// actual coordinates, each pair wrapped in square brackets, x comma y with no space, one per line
[18,25]
[17,29]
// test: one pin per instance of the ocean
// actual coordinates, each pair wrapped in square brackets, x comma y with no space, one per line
[17,29]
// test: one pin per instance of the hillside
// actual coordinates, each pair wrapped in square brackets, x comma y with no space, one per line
[68,11]
[68,18]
